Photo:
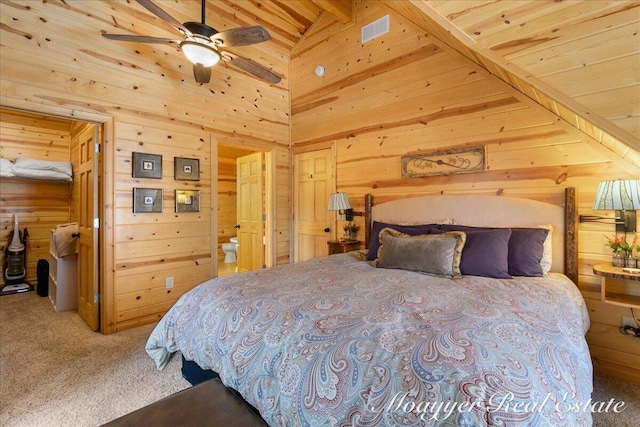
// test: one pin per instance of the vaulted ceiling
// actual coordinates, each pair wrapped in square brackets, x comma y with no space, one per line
[579,59]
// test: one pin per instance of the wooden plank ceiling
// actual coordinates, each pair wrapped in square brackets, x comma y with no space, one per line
[579,59]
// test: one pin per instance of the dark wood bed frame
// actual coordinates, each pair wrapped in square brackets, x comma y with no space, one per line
[570,231]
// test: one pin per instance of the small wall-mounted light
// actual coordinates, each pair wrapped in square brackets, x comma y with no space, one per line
[621,195]
[340,202]
[319,71]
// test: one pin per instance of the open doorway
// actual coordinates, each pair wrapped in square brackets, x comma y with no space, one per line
[229,221]
[47,203]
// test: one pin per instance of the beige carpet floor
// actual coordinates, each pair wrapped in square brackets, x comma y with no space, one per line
[55,372]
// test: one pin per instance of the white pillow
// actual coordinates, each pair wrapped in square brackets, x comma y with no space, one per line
[547,259]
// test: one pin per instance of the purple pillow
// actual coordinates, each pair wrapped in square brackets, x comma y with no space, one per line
[526,246]
[486,251]
[412,230]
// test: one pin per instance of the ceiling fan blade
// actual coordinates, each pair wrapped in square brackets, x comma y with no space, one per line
[151,7]
[242,36]
[252,67]
[201,73]
[139,39]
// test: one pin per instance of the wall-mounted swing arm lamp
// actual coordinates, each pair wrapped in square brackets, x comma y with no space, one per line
[340,202]
[621,195]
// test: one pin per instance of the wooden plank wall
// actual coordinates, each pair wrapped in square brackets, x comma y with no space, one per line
[76,129]
[149,95]
[153,246]
[406,92]
[280,203]
[40,205]
[588,40]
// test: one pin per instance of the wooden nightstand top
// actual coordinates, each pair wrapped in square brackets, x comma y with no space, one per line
[608,270]
[342,246]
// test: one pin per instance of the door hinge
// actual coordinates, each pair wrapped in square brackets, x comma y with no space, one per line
[264,265]
[264,166]
[96,299]
[96,222]
[97,147]
[264,217]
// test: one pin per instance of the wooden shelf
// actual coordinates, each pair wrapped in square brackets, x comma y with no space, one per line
[38,180]
[630,280]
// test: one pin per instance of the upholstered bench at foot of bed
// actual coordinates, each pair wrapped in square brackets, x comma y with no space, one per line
[207,404]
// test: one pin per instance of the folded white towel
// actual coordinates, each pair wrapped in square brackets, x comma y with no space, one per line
[6,168]
[49,175]
[44,165]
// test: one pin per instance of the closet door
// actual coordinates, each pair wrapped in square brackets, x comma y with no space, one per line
[313,182]
[87,176]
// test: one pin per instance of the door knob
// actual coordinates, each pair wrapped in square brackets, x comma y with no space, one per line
[327,230]
[237,225]
[75,235]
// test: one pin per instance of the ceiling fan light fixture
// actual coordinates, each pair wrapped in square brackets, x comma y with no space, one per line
[199,53]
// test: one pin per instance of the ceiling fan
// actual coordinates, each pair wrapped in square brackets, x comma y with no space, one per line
[205,46]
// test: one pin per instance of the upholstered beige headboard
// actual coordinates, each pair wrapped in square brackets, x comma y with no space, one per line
[488,211]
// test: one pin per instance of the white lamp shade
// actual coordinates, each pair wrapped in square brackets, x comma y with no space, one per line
[199,53]
[338,202]
[620,194]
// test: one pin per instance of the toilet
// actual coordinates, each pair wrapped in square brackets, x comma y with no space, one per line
[230,250]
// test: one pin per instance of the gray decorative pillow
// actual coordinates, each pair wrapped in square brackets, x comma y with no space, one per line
[437,254]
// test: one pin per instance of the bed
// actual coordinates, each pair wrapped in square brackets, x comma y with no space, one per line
[342,341]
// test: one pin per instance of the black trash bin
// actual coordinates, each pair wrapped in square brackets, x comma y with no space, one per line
[42,272]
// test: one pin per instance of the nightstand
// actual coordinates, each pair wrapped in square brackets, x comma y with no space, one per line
[343,246]
[623,288]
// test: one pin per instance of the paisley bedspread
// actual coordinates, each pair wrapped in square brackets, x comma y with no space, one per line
[336,342]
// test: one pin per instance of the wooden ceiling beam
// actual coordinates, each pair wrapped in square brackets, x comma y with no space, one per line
[342,10]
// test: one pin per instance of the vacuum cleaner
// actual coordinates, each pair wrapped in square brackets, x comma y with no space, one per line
[15,261]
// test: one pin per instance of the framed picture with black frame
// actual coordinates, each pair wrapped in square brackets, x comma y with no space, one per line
[147,165]
[147,200]
[186,169]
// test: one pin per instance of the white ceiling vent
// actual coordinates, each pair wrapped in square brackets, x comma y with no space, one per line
[375,29]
